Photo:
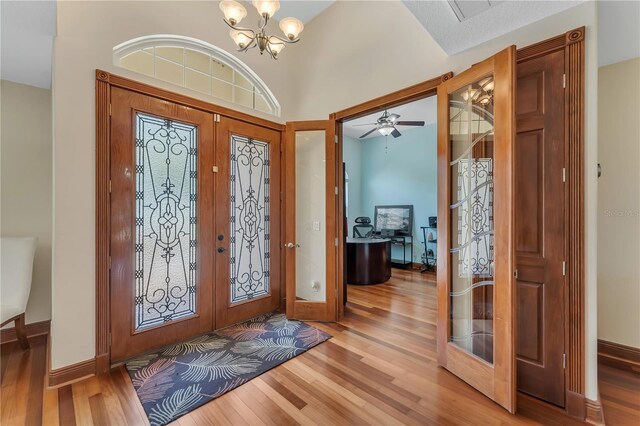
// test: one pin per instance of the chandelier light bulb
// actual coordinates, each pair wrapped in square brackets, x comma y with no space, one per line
[233,11]
[291,27]
[240,38]
[487,84]
[266,7]
[469,94]
[276,47]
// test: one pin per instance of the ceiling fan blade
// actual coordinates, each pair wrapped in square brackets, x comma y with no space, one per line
[369,132]
[409,123]
[365,124]
[396,133]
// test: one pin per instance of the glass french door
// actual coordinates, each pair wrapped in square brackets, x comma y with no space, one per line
[161,223]
[476,293]
[310,200]
[247,241]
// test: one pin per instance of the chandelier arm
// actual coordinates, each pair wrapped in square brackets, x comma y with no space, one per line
[241,29]
[285,40]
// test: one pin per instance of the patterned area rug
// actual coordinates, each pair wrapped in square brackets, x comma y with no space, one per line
[179,378]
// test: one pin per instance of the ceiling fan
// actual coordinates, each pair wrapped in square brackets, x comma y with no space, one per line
[386,125]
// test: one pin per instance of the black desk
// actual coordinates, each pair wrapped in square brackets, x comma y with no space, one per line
[368,260]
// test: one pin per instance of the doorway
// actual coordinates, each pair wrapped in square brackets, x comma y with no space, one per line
[194,224]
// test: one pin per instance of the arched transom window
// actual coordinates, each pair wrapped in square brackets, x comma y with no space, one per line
[196,65]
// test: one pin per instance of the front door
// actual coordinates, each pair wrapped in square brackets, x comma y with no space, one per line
[161,223]
[247,236]
[539,227]
[311,225]
[476,295]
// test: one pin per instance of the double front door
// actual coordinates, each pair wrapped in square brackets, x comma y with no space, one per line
[195,222]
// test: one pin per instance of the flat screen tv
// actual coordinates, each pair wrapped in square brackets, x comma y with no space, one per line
[398,219]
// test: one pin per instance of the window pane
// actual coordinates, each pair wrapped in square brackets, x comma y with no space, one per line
[174,54]
[165,224]
[261,104]
[139,61]
[170,72]
[197,81]
[240,81]
[221,71]
[249,243]
[243,97]
[221,90]
[197,60]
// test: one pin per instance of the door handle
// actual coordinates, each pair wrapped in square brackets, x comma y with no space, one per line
[292,245]
[221,249]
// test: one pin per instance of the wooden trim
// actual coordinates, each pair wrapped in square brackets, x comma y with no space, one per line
[402,96]
[34,329]
[594,412]
[103,219]
[146,89]
[72,373]
[619,356]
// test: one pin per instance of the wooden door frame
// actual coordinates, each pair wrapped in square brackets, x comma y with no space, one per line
[104,82]
[573,44]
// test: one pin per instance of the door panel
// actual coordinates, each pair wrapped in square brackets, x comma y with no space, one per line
[310,217]
[247,221]
[539,227]
[476,297]
[161,232]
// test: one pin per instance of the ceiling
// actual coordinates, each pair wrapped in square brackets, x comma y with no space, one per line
[27,29]
[423,109]
[304,10]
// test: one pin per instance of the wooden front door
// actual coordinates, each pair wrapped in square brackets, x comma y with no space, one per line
[539,227]
[476,295]
[247,236]
[311,225]
[161,223]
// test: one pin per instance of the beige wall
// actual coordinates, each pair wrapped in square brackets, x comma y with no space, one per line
[357,50]
[619,203]
[25,175]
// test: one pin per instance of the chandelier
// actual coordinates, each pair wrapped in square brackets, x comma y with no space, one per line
[482,95]
[246,38]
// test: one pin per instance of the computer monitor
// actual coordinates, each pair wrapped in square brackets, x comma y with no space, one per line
[399,219]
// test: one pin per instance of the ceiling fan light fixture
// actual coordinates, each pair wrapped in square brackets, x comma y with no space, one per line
[386,129]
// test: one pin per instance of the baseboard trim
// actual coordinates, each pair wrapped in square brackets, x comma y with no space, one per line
[34,329]
[619,356]
[595,415]
[72,373]
[575,404]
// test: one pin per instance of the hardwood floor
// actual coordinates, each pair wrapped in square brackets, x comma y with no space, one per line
[379,368]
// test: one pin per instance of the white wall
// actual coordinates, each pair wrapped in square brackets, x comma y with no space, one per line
[25,151]
[357,50]
[87,32]
[619,203]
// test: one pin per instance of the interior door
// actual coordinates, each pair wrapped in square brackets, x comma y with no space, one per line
[539,227]
[476,294]
[247,236]
[310,242]
[161,226]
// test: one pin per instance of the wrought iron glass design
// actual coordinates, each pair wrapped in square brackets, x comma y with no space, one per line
[471,217]
[165,221]
[249,239]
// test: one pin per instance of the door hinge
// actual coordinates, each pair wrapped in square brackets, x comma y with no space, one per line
[109,186]
[110,110]
[564,174]
[564,81]
[214,169]
[336,189]
[564,268]
[336,242]
[564,361]
[515,274]
[109,339]
[336,138]
[216,118]
[109,262]
[336,292]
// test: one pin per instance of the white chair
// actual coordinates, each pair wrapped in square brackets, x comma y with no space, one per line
[17,266]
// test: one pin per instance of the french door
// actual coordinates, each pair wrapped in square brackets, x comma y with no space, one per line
[476,293]
[161,223]
[310,243]
[247,221]
[195,222]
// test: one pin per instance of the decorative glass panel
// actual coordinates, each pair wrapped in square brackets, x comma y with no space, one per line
[471,218]
[165,225]
[249,242]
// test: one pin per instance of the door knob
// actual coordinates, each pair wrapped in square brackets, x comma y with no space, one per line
[220,249]
[292,245]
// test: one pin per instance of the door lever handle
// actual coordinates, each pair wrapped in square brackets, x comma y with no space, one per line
[292,245]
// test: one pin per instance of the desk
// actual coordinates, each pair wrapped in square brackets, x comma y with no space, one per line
[368,260]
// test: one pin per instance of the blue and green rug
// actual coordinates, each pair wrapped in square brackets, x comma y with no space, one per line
[179,378]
